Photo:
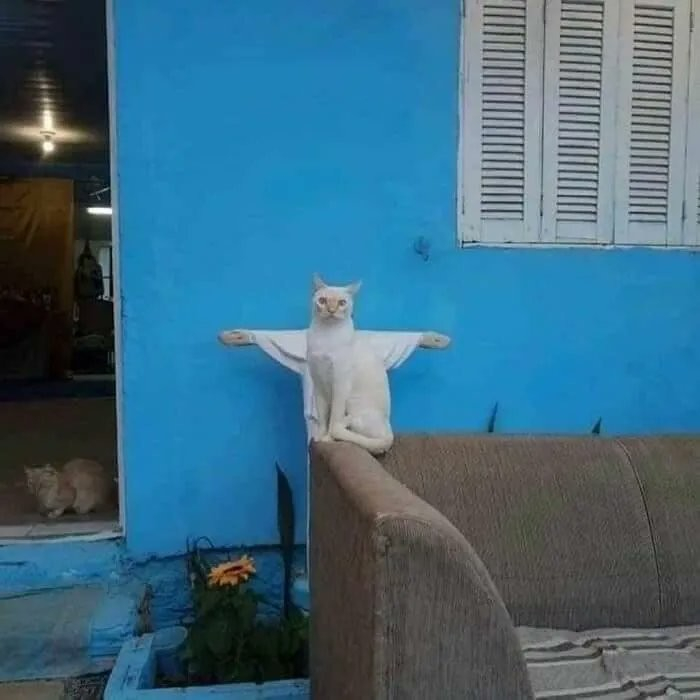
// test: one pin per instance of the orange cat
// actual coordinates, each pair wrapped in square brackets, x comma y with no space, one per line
[82,485]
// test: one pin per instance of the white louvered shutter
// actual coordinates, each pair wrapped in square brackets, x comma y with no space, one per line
[652,112]
[578,167]
[501,121]
[691,225]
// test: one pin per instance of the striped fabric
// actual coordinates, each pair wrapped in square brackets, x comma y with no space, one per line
[613,664]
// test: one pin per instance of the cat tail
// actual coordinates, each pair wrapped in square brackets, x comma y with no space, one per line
[375,446]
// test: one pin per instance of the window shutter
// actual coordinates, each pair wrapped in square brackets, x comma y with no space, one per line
[652,111]
[501,121]
[578,167]
[691,225]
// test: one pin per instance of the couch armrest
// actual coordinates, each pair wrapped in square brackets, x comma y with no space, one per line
[402,607]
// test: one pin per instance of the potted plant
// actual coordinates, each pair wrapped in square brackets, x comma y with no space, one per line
[239,645]
[229,640]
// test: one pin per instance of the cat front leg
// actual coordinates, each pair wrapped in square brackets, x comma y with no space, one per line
[323,411]
[337,420]
[55,513]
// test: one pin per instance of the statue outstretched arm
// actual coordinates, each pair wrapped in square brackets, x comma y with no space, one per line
[286,347]
[240,337]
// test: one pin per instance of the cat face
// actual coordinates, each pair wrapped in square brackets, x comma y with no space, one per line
[39,476]
[333,303]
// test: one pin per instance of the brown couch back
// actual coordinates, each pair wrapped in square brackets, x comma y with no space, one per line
[562,524]
[668,469]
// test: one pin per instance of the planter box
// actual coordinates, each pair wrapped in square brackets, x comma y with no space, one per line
[134,676]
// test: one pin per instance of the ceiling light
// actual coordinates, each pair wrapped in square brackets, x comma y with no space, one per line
[100,211]
[47,145]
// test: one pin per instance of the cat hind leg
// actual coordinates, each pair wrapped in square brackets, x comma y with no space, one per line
[370,432]
[375,446]
[81,507]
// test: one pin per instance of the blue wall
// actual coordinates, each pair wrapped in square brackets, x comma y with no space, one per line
[27,567]
[260,141]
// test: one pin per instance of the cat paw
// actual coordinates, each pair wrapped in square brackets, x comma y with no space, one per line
[53,514]
[326,437]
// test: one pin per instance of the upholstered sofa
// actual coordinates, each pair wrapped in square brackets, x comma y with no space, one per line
[505,568]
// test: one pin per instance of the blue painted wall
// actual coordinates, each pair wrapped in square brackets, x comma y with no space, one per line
[260,141]
[28,566]
[32,566]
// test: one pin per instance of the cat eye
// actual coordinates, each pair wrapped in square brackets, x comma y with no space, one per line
[342,302]
[322,301]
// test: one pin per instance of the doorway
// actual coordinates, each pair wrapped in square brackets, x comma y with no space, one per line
[59,466]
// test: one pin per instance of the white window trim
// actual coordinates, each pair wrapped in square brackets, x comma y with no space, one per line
[691,223]
[116,259]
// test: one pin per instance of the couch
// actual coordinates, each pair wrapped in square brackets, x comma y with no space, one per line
[506,567]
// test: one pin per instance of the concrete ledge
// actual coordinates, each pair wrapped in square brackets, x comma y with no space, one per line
[134,674]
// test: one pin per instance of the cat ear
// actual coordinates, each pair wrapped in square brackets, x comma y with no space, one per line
[354,288]
[318,282]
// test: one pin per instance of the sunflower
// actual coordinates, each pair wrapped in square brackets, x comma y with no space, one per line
[231,573]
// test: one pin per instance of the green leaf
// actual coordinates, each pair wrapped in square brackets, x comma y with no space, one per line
[247,610]
[274,670]
[219,637]
[209,601]
[285,527]
[491,427]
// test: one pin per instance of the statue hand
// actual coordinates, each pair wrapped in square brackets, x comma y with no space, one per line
[434,341]
[236,337]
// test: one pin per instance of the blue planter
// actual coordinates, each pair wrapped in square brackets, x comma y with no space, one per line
[134,676]
[167,644]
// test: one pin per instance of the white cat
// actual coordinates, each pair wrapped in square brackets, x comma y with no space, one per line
[82,485]
[351,387]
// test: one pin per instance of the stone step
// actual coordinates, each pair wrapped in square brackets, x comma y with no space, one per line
[66,632]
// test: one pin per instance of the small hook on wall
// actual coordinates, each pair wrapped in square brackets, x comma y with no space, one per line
[422,247]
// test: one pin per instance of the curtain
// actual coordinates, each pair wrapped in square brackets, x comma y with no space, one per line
[36,269]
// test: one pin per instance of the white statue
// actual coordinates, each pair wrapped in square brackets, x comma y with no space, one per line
[345,387]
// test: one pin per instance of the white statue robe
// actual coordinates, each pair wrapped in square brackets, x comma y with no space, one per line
[289,349]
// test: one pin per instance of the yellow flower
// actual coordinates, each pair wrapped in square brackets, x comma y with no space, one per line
[231,573]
